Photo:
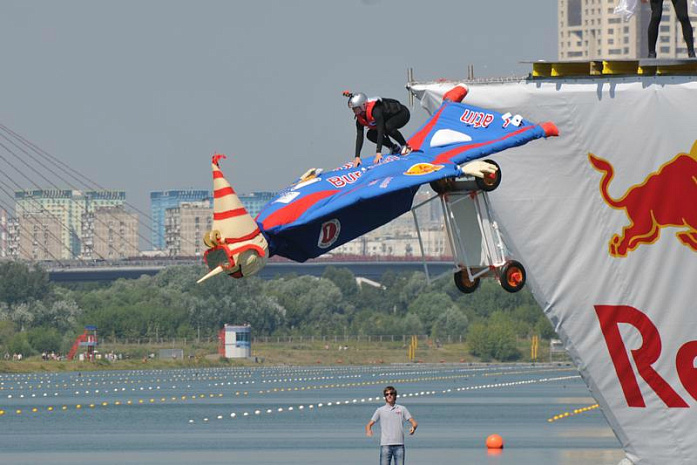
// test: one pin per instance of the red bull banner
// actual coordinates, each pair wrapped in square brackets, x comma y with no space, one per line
[604,218]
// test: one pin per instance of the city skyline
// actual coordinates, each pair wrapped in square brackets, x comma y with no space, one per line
[58,225]
[590,30]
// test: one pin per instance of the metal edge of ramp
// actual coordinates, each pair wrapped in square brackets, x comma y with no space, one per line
[649,67]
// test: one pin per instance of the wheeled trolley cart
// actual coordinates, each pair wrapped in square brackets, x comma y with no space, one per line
[474,237]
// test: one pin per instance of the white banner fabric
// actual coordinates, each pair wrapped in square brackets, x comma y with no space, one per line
[613,264]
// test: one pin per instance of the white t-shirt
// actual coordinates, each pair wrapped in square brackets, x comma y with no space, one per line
[391,420]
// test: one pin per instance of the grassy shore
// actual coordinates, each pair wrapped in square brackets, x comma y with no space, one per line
[263,354]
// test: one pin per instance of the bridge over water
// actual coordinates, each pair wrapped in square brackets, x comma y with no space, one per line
[373,269]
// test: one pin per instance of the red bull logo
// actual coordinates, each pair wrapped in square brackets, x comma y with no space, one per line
[422,168]
[645,357]
[666,198]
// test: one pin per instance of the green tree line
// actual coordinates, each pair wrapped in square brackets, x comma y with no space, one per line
[37,315]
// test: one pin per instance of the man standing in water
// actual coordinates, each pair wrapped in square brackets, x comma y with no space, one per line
[392,418]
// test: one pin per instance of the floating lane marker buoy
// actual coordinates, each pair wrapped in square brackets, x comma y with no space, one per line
[494,441]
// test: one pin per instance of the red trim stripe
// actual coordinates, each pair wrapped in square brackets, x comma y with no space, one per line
[293,211]
[447,156]
[418,139]
[254,247]
[235,240]
[229,214]
[217,174]
[223,192]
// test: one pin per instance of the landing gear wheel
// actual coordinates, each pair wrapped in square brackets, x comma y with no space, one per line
[491,181]
[444,185]
[463,283]
[512,276]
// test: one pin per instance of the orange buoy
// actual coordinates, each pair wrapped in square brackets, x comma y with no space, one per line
[494,441]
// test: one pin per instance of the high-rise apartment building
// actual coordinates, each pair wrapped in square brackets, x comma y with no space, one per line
[109,233]
[64,211]
[38,237]
[160,201]
[166,239]
[3,234]
[589,30]
[185,226]
[255,201]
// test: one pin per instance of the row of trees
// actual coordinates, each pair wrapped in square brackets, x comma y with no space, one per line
[36,315]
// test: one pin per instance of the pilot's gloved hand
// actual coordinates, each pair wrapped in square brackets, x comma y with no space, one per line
[478,168]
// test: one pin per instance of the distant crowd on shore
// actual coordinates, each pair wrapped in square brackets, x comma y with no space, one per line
[17,357]
[58,357]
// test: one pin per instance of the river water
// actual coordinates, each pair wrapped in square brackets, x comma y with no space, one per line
[301,415]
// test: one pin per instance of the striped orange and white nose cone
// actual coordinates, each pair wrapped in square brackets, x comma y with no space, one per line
[239,232]
[229,215]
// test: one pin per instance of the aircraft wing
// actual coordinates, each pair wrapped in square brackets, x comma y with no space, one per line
[325,210]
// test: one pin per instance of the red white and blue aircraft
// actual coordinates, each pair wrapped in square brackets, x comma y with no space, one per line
[323,210]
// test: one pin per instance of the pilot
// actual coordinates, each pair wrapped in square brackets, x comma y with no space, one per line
[383,117]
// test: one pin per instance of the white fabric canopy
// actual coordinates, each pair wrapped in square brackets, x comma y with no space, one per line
[557,222]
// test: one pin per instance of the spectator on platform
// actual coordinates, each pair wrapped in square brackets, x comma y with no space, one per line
[680,7]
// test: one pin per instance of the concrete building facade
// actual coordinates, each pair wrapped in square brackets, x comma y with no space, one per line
[185,226]
[589,30]
[160,201]
[109,233]
[64,210]
[37,237]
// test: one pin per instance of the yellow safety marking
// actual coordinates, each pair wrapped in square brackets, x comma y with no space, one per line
[571,69]
[574,412]
[379,399]
[547,69]
[621,67]
[678,69]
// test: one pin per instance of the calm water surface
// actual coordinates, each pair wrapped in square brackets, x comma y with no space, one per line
[309,415]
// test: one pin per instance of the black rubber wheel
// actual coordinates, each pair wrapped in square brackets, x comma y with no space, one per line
[512,276]
[491,182]
[444,185]
[463,283]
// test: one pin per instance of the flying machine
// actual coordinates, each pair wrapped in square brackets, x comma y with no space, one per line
[323,210]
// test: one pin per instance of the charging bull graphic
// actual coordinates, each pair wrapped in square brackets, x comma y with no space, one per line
[667,197]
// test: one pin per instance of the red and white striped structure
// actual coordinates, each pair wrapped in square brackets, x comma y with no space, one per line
[236,244]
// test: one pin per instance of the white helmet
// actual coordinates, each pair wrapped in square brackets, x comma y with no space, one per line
[357,101]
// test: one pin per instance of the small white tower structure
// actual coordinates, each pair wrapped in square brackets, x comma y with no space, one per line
[235,341]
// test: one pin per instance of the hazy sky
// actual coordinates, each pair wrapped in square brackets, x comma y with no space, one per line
[137,95]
